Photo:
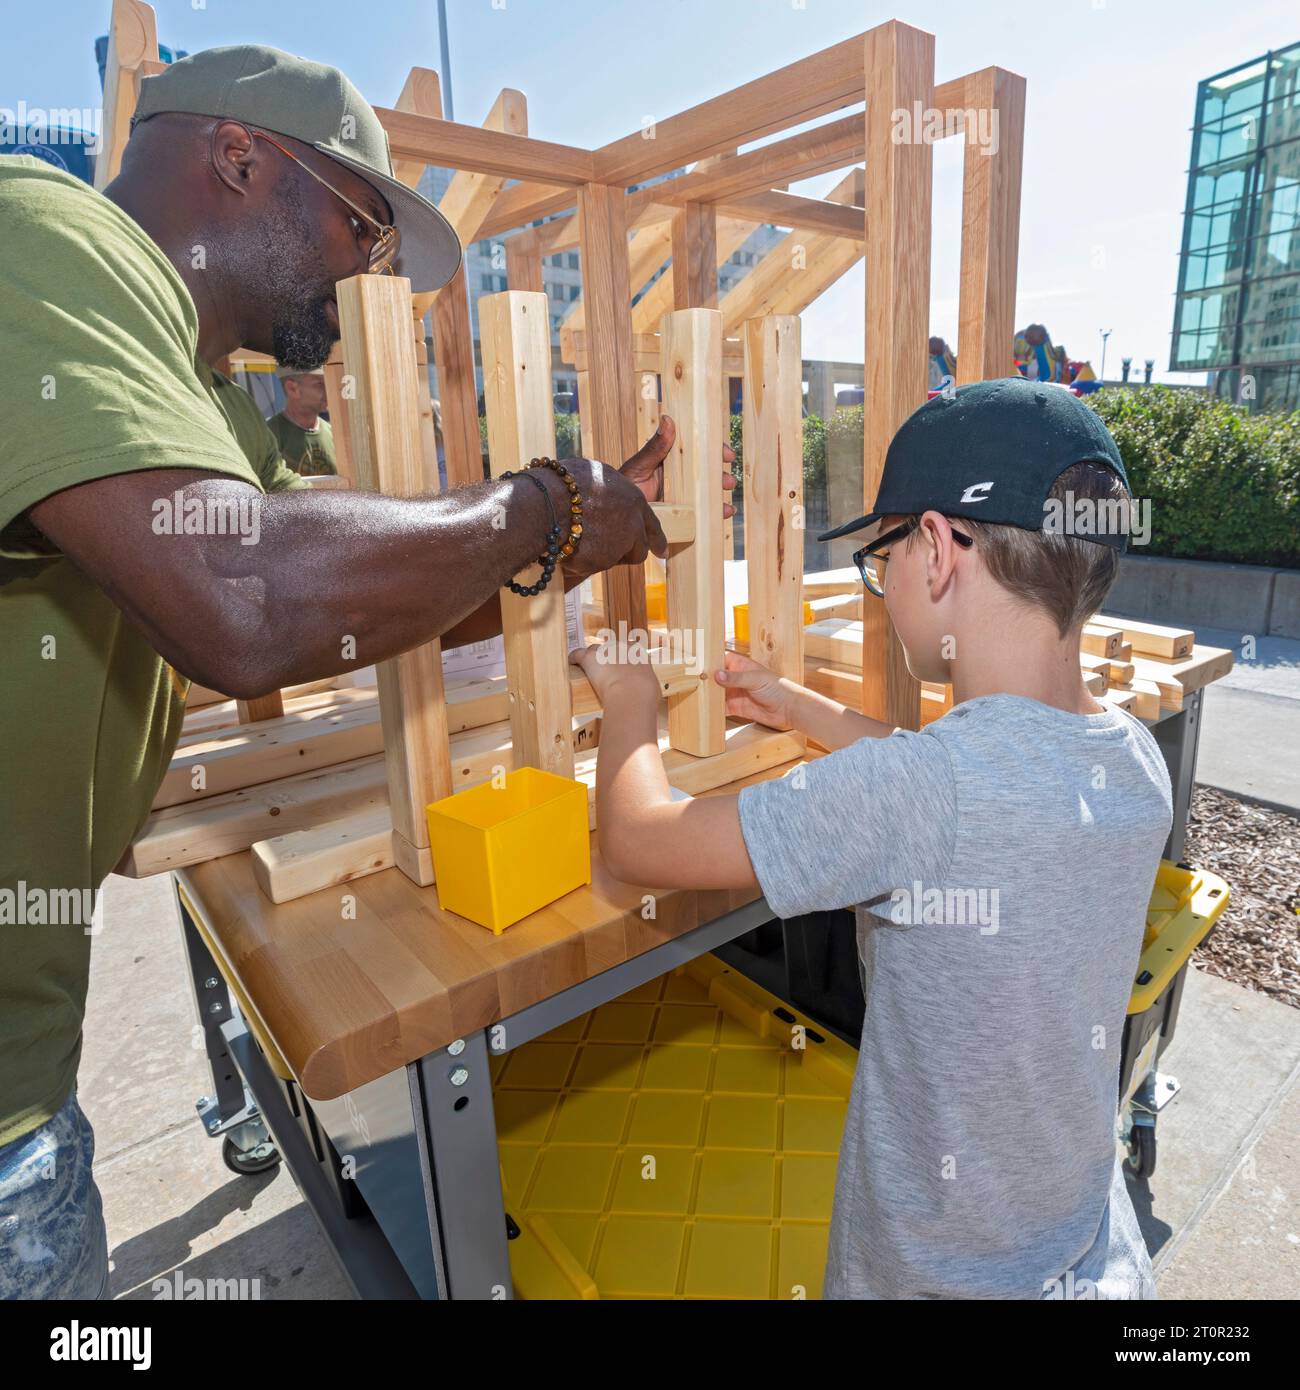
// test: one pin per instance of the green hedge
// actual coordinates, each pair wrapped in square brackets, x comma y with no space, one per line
[1223,484]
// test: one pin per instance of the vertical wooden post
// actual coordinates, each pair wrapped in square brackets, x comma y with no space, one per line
[990,226]
[899,77]
[384,417]
[523,263]
[773,455]
[691,373]
[337,395]
[695,257]
[515,333]
[132,54]
[647,421]
[607,392]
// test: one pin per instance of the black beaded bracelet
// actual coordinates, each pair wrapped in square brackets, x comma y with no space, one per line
[556,549]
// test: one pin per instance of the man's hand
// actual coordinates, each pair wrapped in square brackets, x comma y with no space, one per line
[755,693]
[618,526]
[646,467]
[617,672]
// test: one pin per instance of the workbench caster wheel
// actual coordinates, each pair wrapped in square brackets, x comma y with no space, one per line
[1142,1151]
[258,1159]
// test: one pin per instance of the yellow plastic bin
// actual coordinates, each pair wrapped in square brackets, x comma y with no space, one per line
[656,603]
[504,850]
[740,612]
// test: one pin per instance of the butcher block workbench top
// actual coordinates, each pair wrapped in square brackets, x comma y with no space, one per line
[347,1000]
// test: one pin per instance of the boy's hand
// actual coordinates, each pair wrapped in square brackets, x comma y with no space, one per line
[617,673]
[754,692]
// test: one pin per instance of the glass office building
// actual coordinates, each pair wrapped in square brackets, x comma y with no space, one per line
[1238,308]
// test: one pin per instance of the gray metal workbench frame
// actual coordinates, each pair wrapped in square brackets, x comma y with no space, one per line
[403,1174]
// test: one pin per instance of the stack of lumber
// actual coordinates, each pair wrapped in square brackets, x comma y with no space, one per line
[1144,668]
[307,791]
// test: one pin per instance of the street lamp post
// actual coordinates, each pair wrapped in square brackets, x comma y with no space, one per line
[448,109]
[1105,333]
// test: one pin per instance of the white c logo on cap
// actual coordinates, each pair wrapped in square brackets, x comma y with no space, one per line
[977,492]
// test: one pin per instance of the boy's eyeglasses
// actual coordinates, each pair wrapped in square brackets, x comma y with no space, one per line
[388,240]
[871,559]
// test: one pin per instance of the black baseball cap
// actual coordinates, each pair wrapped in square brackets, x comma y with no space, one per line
[990,451]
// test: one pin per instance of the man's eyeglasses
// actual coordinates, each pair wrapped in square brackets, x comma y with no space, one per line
[387,240]
[871,559]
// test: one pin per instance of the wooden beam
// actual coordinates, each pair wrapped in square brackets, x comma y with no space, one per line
[132,42]
[899,72]
[339,394]
[421,93]
[375,315]
[691,374]
[802,214]
[525,202]
[264,707]
[800,156]
[773,455]
[801,91]
[515,333]
[731,234]
[523,263]
[607,395]
[695,257]
[453,146]
[647,250]
[990,228]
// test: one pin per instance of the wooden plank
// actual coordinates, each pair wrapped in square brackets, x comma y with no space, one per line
[990,231]
[1093,682]
[251,753]
[421,92]
[523,203]
[1100,641]
[730,235]
[515,334]
[132,42]
[1151,639]
[797,269]
[691,374]
[263,707]
[607,394]
[647,250]
[305,861]
[678,522]
[1144,694]
[375,315]
[340,391]
[1120,699]
[799,214]
[798,92]
[773,461]
[899,72]
[695,257]
[523,263]
[470,197]
[453,146]
[1119,672]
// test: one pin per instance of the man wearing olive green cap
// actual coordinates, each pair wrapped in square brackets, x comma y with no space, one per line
[252,183]
[305,437]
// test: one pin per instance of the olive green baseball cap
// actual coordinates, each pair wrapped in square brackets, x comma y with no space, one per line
[316,104]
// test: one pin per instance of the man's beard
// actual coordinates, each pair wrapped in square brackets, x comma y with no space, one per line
[295,286]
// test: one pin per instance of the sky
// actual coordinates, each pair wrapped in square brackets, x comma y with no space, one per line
[1111,91]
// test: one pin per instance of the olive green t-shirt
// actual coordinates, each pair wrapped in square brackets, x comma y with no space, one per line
[308,452]
[98,340]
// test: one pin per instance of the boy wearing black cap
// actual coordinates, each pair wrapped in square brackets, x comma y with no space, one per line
[979,1156]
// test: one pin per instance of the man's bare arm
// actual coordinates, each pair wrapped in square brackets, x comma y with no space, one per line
[318,568]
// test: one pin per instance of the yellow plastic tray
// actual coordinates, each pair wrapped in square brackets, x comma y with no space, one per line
[1185,904]
[674,1143]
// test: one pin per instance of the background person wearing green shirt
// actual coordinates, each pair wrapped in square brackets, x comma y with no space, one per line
[252,182]
[306,440]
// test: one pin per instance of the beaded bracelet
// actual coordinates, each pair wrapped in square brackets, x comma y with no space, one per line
[555,548]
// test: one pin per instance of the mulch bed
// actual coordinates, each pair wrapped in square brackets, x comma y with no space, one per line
[1257,852]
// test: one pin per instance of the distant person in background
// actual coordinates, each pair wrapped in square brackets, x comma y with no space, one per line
[943,364]
[306,441]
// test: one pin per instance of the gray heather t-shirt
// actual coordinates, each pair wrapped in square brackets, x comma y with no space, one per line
[1008,853]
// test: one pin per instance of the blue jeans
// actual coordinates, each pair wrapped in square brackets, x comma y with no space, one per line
[52,1238]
